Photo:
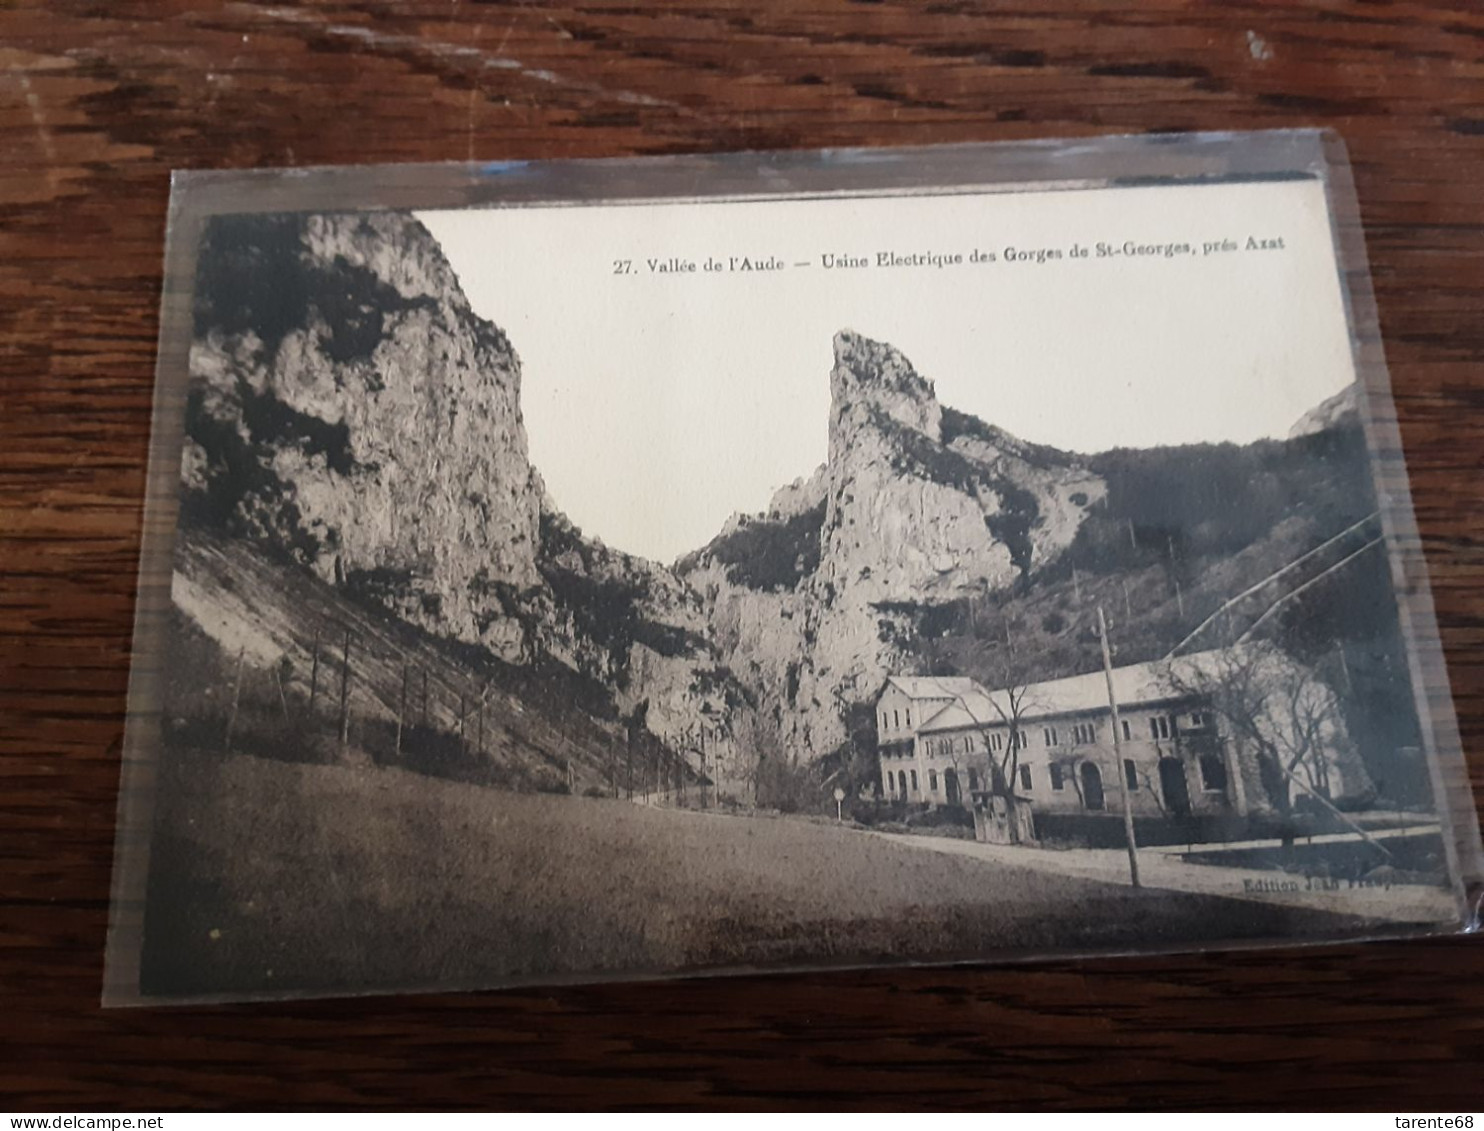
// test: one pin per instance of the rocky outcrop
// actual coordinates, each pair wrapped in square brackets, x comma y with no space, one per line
[815,601]
[1333,412]
[350,411]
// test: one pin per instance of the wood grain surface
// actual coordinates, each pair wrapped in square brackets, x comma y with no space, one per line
[99,101]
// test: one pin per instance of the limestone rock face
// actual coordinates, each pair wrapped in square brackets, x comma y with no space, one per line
[1342,408]
[350,410]
[813,602]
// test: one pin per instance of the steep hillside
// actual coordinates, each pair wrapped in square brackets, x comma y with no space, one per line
[278,640]
[1180,532]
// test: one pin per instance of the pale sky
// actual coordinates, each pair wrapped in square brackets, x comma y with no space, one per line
[657,404]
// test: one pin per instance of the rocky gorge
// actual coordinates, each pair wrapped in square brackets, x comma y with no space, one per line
[350,413]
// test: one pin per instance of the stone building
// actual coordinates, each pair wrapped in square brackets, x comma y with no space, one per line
[1182,755]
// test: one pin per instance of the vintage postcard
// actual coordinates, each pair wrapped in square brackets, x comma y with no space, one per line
[577,572]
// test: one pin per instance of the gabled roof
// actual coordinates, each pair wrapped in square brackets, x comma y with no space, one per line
[1134,685]
[933,686]
[961,713]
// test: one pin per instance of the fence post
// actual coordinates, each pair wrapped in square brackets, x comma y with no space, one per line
[401,710]
[283,700]
[314,674]
[236,696]
[345,693]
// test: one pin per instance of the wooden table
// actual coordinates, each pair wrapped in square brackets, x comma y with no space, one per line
[99,101]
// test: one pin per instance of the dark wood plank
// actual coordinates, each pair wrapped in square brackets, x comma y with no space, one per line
[98,101]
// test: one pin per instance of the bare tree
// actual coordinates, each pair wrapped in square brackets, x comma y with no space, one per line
[1011,704]
[1279,710]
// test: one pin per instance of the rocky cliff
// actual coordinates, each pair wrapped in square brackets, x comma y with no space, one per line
[1333,412]
[349,411]
[815,601]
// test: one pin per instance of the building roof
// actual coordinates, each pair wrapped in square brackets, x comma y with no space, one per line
[933,686]
[1134,685]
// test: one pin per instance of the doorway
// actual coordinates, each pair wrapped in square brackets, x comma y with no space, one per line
[1173,786]
[1092,786]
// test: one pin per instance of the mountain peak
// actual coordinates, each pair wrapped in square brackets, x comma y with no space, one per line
[872,380]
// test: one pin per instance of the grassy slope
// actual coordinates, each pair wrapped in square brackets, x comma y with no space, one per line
[269,877]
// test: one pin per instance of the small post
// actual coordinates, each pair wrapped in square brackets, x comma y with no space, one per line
[1128,805]
[463,746]
[1174,574]
[236,697]
[314,674]
[345,692]
[282,698]
[401,711]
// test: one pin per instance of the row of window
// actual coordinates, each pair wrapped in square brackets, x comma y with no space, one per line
[1161,727]
[896,719]
[1212,768]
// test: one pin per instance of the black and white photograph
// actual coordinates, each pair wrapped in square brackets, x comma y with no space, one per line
[658,587]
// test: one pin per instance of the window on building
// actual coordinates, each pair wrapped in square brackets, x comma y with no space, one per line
[973,779]
[909,716]
[1057,781]
[1213,774]
[883,720]
[1050,733]
[891,786]
[1202,720]
[1130,774]
[932,781]
[1025,777]
[914,781]
[1159,726]
[896,718]
[902,783]
[1128,735]
[1084,733]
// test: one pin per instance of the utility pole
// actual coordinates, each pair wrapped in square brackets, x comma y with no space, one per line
[1128,805]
